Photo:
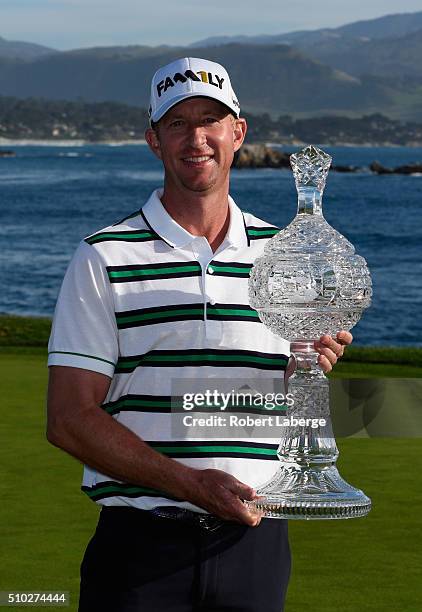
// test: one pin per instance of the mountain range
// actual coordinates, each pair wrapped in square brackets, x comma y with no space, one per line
[13,49]
[387,46]
[359,68]
[389,26]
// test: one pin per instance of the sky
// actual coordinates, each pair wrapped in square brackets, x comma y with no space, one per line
[70,24]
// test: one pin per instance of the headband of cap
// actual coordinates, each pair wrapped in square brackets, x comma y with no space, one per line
[187,78]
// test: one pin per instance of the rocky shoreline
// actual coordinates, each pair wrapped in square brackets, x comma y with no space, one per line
[263,156]
[406,169]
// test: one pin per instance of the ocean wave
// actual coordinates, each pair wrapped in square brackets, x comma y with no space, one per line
[74,154]
[45,178]
[140,175]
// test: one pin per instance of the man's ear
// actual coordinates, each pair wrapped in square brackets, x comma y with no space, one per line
[153,141]
[239,132]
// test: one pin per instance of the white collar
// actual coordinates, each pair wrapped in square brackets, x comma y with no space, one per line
[159,220]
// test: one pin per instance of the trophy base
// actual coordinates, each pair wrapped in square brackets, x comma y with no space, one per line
[302,492]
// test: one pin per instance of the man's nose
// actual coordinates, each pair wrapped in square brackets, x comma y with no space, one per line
[197,136]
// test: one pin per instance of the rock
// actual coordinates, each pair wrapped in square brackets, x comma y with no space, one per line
[409,169]
[261,156]
[345,168]
[380,169]
[7,153]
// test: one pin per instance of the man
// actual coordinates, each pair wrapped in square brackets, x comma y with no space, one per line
[157,298]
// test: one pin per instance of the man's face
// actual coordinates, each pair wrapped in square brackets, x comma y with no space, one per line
[196,141]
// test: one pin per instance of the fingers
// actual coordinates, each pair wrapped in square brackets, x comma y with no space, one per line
[328,355]
[327,342]
[326,364]
[255,517]
[331,349]
[223,495]
[241,490]
[246,514]
[344,337]
[249,515]
[240,493]
[257,513]
[228,506]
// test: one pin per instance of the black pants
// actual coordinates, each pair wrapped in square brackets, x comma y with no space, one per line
[139,562]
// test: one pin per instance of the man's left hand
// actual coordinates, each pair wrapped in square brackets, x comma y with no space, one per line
[330,349]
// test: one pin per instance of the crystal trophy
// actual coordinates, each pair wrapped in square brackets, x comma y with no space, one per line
[309,282]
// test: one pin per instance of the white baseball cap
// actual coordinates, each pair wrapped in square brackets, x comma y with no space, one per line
[189,77]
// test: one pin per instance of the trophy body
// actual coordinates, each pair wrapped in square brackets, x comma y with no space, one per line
[309,282]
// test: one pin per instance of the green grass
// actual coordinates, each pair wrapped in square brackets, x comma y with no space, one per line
[351,369]
[24,331]
[379,362]
[21,335]
[45,521]
[369,564]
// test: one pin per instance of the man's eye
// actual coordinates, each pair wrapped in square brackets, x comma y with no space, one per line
[211,120]
[176,123]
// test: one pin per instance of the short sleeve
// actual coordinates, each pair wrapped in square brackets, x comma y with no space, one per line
[84,332]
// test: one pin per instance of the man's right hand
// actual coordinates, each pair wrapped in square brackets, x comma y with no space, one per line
[222,494]
[78,425]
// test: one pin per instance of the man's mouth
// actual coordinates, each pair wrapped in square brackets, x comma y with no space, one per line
[198,159]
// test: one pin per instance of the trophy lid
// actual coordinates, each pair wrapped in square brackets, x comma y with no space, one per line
[310,167]
[309,232]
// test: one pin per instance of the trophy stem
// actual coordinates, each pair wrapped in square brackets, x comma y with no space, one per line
[309,201]
[312,443]
[308,484]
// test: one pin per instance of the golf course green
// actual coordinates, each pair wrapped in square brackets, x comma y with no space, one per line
[370,564]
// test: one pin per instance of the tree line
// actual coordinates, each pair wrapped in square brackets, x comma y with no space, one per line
[39,119]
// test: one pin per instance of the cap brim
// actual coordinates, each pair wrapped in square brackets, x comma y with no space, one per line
[164,108]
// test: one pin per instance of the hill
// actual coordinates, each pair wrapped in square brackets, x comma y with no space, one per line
[277,79]
[386,57]
[358,69]
[388,26]
[13,49]
[389,46]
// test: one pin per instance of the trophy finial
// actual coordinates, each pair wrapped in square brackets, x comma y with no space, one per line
[310,167]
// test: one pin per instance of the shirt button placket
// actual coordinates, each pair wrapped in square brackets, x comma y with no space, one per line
[210,270]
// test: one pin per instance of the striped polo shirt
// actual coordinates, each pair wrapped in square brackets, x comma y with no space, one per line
[147,304]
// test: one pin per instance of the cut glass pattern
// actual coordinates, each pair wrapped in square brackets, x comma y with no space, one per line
[309,282]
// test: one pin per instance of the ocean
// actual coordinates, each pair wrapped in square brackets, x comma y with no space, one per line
[51,197]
